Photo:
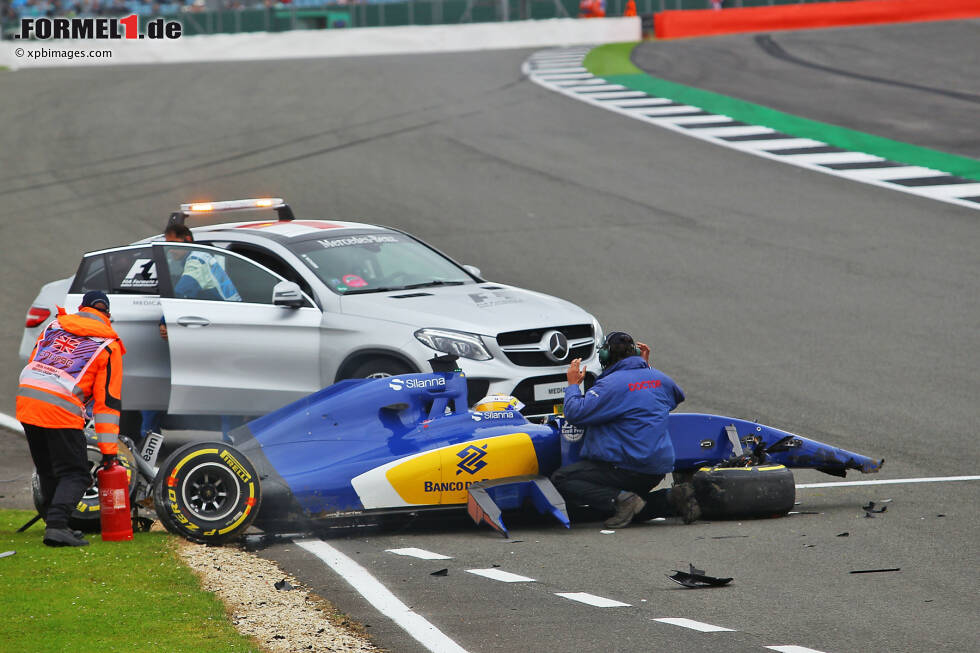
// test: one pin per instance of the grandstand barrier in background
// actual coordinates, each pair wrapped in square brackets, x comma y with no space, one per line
[320,14]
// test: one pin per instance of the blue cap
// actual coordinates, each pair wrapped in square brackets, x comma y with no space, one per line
[95,299]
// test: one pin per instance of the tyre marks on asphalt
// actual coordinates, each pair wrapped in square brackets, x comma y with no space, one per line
[561,70]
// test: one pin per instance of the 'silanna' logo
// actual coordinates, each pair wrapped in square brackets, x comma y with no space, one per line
[396,384]
[472,459]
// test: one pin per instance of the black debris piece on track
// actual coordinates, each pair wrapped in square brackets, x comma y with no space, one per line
[696,578]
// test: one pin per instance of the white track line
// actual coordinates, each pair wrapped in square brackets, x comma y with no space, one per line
[382,599]
[616,95]
[942,192]
[580,82]
[646,102]
[693,625]
[895,172]
[833,157]
[592,599]
[589,88]
[793,649]
[892,481]
[557,77]
[666,111]
[575,59]
[419,553]
[773,145]
[9,422]
[561,69]
[502,576]
[696,120]
[747,130]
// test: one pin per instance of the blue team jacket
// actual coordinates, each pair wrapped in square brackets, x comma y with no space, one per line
[625,415]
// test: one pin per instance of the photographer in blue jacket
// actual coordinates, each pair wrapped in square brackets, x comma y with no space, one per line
[627,450]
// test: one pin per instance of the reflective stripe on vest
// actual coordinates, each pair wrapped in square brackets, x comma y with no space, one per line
[61,360]
[32,393]
[107,438]
[89,316]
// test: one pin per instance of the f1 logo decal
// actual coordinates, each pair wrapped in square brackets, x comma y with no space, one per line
[472,459]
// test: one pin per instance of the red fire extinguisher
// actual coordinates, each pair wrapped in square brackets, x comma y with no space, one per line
[114,514]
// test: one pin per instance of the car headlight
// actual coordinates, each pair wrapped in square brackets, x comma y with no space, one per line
[457,343]
[597,329]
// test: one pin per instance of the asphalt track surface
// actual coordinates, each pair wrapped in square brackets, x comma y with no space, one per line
[916,83]
[837,310]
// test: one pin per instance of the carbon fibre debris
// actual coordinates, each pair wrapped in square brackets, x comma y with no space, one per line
[696,579]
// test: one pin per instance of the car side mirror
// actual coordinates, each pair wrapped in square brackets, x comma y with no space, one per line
[475,271]
[287,293]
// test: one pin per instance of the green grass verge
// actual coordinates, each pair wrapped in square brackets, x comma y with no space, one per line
[612,62]
[612,59]
[109,596]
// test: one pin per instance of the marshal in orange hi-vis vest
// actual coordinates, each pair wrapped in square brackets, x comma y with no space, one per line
[77,361]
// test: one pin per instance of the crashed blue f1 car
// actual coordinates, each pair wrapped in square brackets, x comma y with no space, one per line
[409,442]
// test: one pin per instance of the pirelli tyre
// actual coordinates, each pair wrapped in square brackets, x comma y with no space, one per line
[744,492]
[85,516]
[207,492]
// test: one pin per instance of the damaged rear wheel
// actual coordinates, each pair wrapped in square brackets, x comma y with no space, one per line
[207,492]
[744,492]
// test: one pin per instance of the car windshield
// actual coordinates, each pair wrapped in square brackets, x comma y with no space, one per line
[377,261]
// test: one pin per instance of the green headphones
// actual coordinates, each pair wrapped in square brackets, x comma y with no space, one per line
[623,338]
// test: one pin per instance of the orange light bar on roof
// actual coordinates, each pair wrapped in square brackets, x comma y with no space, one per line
[233,205]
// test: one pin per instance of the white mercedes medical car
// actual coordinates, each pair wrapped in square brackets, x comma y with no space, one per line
[317,301]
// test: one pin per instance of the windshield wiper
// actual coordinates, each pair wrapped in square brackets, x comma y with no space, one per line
[361,291]
[424,284]
[437,282]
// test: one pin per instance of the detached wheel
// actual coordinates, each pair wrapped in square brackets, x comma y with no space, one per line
[744,492]
[207,492]
[85,516]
